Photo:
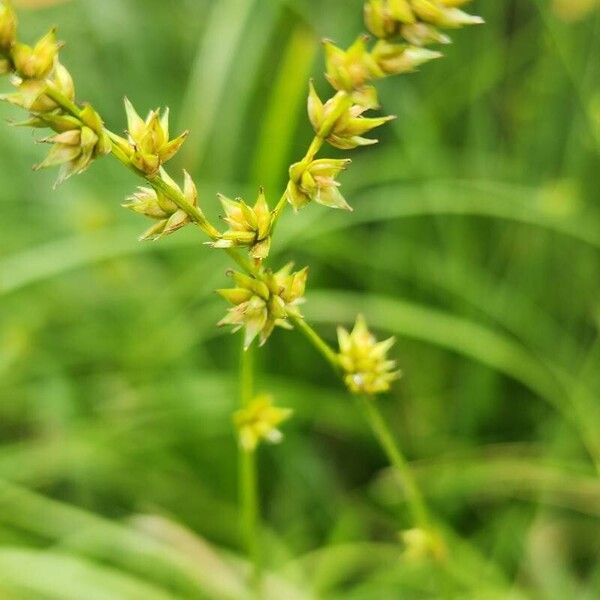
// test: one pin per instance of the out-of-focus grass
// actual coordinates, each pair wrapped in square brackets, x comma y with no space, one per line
[475,239]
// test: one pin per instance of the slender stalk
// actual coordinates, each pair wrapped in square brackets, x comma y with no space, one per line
[317,341]
[381,430]
[248,479]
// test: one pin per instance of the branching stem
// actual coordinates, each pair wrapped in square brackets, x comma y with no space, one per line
[381,430]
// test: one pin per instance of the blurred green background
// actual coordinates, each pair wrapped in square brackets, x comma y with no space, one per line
[475,239]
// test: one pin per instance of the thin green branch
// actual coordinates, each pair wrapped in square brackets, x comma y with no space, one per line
[317,341]
[158,184]
[384,436]
[381,431]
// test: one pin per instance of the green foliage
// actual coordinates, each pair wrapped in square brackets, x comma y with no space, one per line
[474,240]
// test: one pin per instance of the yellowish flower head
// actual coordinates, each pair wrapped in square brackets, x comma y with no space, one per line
[150,139]
[344,132]
[248,226]
[422,544]
[260,305]
[364,360]
[417,21]
[36,62]
[351,70]
[317,181]
[155,205]
[260,421]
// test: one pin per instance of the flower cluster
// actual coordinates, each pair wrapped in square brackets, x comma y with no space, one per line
[261,304]
[260,421]
[156,205]
[248,226]
[364,361]
[150,145]
[262,299]
[37,74]
[417,21]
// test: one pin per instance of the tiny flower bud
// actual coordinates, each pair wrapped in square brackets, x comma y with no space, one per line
[150,139]
[36,62]
[157,206]
[395,59]
[317,182]
[8,26]
[248,226]
[364,360]
[260,305]
[260,421]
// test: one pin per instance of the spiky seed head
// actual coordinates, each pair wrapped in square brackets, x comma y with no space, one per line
[364,360]
[149,139]
[261,304]
[317,181]
[260,421]
[347,130]
[157,206]
[443,14]
[351,70]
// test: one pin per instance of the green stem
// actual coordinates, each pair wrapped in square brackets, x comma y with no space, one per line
[317,341]
[383,435]
[414,498]
[248,478]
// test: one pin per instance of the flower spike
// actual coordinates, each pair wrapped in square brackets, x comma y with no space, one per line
[260,305]
[155,205]
[317,182]
[364,360]
[248,226]
[151,145]
[260,421]
[347,130]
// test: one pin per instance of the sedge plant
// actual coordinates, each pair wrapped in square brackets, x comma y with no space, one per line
[262,297]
